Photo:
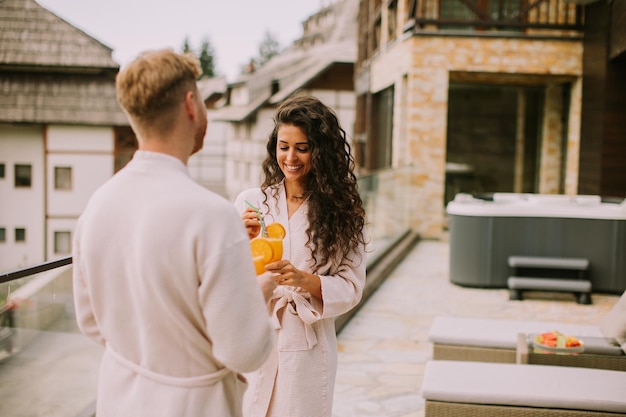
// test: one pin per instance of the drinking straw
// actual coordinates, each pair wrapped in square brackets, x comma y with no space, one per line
[258,212]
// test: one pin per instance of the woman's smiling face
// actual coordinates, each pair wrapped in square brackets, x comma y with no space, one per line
[293,153]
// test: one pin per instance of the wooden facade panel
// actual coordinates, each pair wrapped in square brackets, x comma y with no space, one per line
[603,132]
[618,33]
[593,102]
[614,145]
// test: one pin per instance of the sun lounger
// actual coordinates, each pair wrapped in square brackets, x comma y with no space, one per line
[481,389]
[492,340]
[496,340]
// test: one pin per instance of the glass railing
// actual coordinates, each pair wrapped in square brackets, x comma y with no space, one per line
[385,196]
[500,15]
[48,368]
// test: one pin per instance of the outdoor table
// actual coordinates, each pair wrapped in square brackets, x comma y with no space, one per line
[599,353]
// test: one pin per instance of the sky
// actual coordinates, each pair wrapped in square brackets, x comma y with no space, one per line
[235,28]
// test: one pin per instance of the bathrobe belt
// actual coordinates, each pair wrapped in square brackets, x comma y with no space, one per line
[185,382]
[291,300]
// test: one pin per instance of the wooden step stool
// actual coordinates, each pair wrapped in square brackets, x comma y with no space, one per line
[517,283]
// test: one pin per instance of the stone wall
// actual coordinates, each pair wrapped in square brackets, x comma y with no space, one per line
[420,68]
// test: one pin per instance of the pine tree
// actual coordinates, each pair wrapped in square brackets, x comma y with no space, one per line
[207,58]
[268,48]
[186,47]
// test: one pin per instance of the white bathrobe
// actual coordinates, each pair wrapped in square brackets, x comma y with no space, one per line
[298,379]
[164,278]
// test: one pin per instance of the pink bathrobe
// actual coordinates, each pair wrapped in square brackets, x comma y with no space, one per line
[163,277]
[298,379]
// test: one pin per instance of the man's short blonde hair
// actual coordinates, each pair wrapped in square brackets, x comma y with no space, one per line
[155,82]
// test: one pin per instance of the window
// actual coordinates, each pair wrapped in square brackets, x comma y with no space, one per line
[377,32]
[62,178]
[23,175]
[1,170]
[20,234]
[62,242]
[392,17]
[382,129]
[3,234]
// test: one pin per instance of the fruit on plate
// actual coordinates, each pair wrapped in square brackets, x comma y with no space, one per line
[557,339]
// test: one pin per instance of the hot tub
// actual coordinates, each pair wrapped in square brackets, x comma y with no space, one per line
[485,232]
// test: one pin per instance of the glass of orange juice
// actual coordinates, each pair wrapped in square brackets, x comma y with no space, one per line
[268,249]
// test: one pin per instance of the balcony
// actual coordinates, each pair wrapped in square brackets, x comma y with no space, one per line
[495,16]
[383,25]
[48,368]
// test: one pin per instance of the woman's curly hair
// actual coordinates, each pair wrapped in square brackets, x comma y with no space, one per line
[335,210]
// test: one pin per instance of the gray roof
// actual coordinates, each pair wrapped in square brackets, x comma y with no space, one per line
[341,53]
[53,72]
[60,99]
[238,113]
[212,86]
[31,35]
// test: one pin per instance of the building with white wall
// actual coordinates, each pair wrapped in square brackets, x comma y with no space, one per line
[208,166]
[62,133]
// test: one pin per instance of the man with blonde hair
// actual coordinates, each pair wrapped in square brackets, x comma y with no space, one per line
[163,273]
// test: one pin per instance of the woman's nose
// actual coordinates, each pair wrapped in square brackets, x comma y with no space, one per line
[291,155]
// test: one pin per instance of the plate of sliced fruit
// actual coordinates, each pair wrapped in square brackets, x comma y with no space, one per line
[558,342]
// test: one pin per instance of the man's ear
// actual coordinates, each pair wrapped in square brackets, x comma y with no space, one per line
[190,104]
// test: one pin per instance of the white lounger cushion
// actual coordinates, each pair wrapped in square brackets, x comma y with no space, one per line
[614,324]
[495,333]
[525,385]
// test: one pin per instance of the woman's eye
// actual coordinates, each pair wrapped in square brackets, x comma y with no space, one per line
[303,150]
[283,148]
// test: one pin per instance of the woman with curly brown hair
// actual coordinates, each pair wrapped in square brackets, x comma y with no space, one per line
[310,188]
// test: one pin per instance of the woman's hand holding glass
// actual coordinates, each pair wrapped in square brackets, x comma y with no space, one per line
[251,221]
[287,274]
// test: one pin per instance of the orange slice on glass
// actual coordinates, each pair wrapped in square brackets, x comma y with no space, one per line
[275,230]
[261,247]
